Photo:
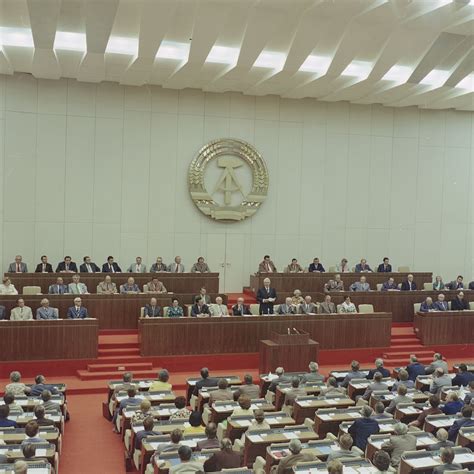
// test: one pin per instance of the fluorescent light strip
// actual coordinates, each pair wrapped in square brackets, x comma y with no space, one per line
[68,41]
[316,64]
[270,60]
[122,45]
[173,50]
[398,74]
[359,69]
[21,37]
[223,55]
[467,84]
[436,77]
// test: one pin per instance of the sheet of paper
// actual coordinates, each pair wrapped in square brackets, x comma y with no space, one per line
[290,435]
[377,444]
[464,457]
[189,442]
[325,417]
[441,423]
[154,445]
[424,441]
[41,452]
[354,414]
[255,438]
[244,422]
[422,462]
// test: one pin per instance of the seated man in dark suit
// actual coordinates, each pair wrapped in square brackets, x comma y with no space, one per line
[205,381]
[110,266]
[440,304]
[363,267]
[226,458]
[44,266]
[2,312]
[41,385]
[459,303]
[427,305]
[316,266]
[40,417]
[199,308]
[281,378]
[240,308]
[466,420]
[447,457]
[77,311]
[363,427]
[148,424]
[463,377]
[409,284]
[266,296]
[385,267]
[152,310]
[66,266]
[414,368]
[59,288]
[88,266]
[4,421]
[456,284]
[389,285]
[378,368]
[471,285]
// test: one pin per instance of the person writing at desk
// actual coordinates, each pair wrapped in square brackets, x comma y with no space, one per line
[175,310]
[266,296]
[390,285]
[363,267]
[459,303]
[199,308]
[152,310]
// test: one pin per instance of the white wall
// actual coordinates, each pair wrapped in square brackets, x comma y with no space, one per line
[102,169]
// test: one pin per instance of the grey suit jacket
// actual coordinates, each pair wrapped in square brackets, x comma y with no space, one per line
[172,268]
[132,268]
[435,365]
[47,313]
[439,382]
[399,444]
[327,308]
[81,289]
[23,267]
[305,308]
[18,315]
[2,312]
[447,467]
[285,309]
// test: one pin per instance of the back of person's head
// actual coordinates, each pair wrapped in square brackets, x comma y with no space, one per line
[345,441]
[20,467]
[434,401]
[244,402]
[379,408]
[378,363]
[39,412]
[29,450]
[403,375]
[413,358]
[176,436]
[259,415]
[226,444]
[279,371]
[437,356]
[8,398]
[248,379]
[180,402]
[131,392]
[222,384]
[453,397]
[185,453]
[15,376]
[163,375]
[32,428]
[355,366]
[145,405]
[466,411]
[211,430]
[127,377]
[381,460]
[442,435]
[402,390]
[195,418]
[447,455]
[46,395]
[439,372]
[4,411]
[400,429]
[295,382]
[39,379]
[378,377]
[331,382]
[366,411]
[148,423]
[463,367]
[204,372]
[295,446]
[313,367]
[334,467]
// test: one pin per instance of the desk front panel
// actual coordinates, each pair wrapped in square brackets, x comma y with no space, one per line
[43,340]
[450,327]
[185,336]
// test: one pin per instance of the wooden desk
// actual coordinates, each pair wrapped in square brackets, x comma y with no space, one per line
[425,461]
[174,282]
[50,435]
[327,420]
[359,386]
[51,339]
[10,468]
[286,283]
[450,327]
[386,425]
[185,336]
[191,383]
[306,407]
[237,425]
[112,311]
[386,396]
[358,465]
[311,388]
[13,451]
[466,437]
[221,410]
[434,422]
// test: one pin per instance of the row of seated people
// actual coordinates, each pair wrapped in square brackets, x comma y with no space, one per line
[156,430]
[110,266]
[32,424]
[22,312]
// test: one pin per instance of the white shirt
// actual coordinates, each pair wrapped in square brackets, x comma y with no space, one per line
[348,307]
[8,289]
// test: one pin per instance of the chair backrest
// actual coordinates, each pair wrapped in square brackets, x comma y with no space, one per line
[449,305]
[254,309]
[145,288]
[399,286]
[276,308]
[332,269]
[403,269]
[353,269]
[165,311]
[427,286]
[338,308]
[416,307]
[471,305]
[142,312]
[31,290]
[379,286]
[366,308]
[213,308]
[190,307]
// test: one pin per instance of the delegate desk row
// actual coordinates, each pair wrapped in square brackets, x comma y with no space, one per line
[112,311]
[174,282]
[402,304]
[314,282]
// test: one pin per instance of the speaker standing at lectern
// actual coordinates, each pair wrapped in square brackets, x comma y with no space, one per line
[266,296]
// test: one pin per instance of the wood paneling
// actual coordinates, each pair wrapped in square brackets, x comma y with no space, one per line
[175,282]
[44,340]
[185,336]
[450,327]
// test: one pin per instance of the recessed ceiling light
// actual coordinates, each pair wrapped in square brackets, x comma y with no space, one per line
[65,40]
[270,60]
[316,64]
[223,55]
[398,73]
[436,77]
[359,69]
[467,83]
[122,45]
[16,37]
[173,50]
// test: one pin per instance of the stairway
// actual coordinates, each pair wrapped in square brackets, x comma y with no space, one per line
[403,343]
[118,354]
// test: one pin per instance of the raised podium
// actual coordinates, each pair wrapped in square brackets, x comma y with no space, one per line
[293,351]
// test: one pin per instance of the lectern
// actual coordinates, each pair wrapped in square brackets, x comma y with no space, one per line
[292,351]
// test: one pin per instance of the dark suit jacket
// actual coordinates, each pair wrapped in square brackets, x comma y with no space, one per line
[316,268]
[462,378]
[385,372]
[62,266]
[266,308]
[72,314]
[2,312]
[152,311]
[381,268]
[83,267]
[39,268]
[459,305]
[361,429]
[471,285]
[106,268]
[405,286]
[209,382]
[414,370]
[223,460]
[58,289]
[237,312]
[195,310]
[456,426]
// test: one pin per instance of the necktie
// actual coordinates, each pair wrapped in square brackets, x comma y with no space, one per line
[111,269]
[67,266]
[89,269]
[77,288]
[44,267]
[18,268]
[177,268]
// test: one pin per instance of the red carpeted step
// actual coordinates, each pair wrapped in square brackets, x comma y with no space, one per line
[401,353]
[405,340]
[115,374]
[403,361]
[129,366]
[118,345]
[120,351]
[408,349]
